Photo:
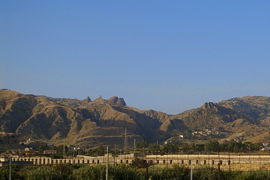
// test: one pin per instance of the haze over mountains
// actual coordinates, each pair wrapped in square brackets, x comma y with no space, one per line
[102,121]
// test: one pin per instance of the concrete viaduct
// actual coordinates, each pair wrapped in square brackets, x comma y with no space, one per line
[183,159]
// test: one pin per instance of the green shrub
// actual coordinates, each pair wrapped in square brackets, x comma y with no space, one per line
[207,173]
[38,173]
[89,173]
[253,175]
[176,173]
[124,172]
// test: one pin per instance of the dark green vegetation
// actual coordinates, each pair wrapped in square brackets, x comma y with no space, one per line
[62,172]
[161,149]
[207,147]
[30,119]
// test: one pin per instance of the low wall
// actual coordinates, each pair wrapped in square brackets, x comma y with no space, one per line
[154,159]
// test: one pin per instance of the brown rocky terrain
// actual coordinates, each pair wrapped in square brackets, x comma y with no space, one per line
[102,121]
[71,121]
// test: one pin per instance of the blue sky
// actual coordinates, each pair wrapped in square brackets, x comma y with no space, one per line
[164,55]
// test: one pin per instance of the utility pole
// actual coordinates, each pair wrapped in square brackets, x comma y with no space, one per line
[64,150]
[107,164]
[125,141]
[191,173]
[219,164]
[9,146]
[125,144]
[134,145]
[9,165]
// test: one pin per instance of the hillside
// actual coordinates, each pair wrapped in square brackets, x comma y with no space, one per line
[89,122]
[246,118]
[72,121]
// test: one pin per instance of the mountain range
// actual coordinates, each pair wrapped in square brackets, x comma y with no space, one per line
[87,123]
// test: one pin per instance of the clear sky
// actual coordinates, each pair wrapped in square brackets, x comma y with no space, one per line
[164,55]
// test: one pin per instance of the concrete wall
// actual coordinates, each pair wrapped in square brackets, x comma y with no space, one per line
[154,159]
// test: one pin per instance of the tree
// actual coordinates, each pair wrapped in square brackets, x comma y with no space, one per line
[154,148]
[100,151]
[142,144]
[141,163]
[170,148]
[89,173]
[212,146]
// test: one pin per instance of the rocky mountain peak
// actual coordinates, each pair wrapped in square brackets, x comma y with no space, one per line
[209,105]
[100,99]
[118,101]
[87,99]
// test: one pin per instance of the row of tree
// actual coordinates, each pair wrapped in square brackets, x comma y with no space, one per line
[148,148]
[210,146]
[62,172]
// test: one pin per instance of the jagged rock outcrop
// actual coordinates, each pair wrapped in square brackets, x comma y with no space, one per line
[210,105]
[99,100]
[117,101]
[87,100]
